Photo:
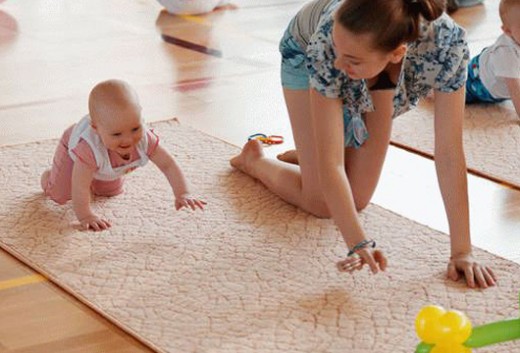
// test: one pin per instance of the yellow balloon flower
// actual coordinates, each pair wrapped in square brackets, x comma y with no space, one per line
[434,325]
[455,328]
[427,323]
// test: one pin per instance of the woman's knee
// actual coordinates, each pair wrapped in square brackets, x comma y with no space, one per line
[361,201]
[317,207]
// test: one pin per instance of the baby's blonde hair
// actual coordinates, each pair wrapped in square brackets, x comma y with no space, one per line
[109,96]
[505,6]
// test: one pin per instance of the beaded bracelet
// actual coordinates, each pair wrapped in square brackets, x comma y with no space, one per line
[362,244]
[268,140]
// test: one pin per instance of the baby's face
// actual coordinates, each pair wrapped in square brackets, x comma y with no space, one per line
[122,131]
[512,25]
[515,32]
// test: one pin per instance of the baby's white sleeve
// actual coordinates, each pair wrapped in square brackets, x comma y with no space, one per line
[506,63]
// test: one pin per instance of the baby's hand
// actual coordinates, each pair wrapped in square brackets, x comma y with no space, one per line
[95,223]
[187,200]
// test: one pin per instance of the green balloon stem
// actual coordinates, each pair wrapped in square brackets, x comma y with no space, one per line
[495,332]
[424,348]
[485,335]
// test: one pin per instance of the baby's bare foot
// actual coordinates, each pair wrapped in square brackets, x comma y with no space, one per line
[226,7]
[290,156]
[44,179]
[251,152]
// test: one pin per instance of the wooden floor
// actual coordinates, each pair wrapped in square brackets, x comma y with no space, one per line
[221,77]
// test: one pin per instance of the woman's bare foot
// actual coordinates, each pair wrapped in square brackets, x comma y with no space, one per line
[290,156]
[252,151]
[44,179]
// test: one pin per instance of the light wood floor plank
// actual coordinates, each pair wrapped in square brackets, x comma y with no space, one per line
[53,51]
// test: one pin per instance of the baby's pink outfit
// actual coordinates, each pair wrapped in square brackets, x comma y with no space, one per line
[59,184]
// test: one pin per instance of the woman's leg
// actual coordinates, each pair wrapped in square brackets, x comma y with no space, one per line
[298,185]
[364,165]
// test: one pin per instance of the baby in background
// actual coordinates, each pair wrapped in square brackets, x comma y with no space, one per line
[193,7]
[494,74]
[94,154]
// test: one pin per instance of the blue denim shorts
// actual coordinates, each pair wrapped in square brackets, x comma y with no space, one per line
[295,76]
[294,69]
[475,89]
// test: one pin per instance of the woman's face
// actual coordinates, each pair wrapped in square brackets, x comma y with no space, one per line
[356,56]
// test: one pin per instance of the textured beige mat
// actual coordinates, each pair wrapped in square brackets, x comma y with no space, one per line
[491,138]
[250,274]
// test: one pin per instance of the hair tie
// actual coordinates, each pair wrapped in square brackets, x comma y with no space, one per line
[413,5]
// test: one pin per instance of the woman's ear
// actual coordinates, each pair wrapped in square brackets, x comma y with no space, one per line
[397,54]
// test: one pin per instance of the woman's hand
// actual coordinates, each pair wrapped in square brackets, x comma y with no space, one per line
[375,259]
[475,274]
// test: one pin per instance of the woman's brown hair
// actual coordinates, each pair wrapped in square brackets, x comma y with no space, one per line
[391,22]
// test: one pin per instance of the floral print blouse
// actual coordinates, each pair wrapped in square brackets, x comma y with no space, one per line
[436,60]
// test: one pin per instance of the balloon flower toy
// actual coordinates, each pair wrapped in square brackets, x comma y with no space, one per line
[444,331]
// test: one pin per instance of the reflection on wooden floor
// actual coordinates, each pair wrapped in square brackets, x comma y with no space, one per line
[221,76]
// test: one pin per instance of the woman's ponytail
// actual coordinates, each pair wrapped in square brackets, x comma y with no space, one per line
[392,22]
[428,9]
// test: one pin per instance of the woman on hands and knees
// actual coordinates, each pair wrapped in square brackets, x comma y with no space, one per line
[348,68]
